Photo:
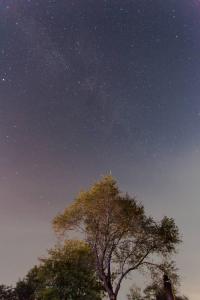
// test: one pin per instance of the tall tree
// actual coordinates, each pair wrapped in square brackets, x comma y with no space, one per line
[120,235]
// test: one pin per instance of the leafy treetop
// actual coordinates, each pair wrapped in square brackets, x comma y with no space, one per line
[120,235]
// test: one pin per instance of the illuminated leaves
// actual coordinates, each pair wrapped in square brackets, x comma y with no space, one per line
[118,232]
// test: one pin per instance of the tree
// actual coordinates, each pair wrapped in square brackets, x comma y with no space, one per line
[120,235]
[160,290]
[68,273]
[137,294]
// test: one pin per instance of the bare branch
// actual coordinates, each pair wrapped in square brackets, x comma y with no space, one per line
[129,270]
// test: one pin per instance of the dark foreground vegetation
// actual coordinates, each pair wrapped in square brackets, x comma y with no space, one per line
[117,239]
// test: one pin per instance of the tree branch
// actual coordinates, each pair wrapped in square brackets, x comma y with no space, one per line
[129,270]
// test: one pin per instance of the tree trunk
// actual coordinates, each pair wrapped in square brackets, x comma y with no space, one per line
[113,297]
[168,288]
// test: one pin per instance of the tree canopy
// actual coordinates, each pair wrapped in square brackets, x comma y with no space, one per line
[29,288]
[66,273]
[69,273]
[120,235]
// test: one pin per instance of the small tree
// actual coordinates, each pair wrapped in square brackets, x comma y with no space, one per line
[120,235]
[150,293]
[68,273]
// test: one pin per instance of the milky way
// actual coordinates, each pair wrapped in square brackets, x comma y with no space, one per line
[92,86]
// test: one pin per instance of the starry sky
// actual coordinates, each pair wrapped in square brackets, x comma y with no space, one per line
[88,87]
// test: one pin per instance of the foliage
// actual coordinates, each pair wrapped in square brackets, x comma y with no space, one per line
[48,294]
[7,293]
[26,290]
[69,272]
[135,294]
[151,292]
[29,287]
[120,235]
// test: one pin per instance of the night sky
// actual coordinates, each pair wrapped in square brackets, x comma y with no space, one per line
[88,87]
